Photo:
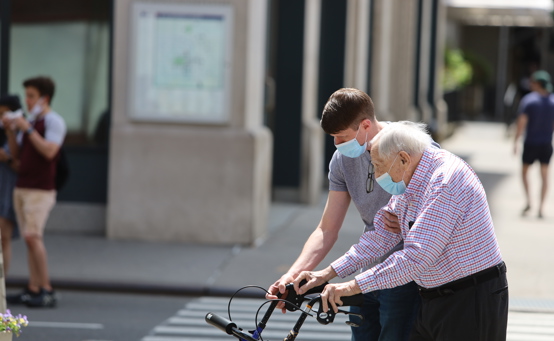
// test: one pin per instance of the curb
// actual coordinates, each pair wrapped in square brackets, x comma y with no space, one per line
[143,288]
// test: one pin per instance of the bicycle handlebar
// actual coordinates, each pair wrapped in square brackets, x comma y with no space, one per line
[227,326]
[354,300]
[295,300]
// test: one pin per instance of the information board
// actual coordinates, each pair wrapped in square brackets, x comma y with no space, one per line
[180,62]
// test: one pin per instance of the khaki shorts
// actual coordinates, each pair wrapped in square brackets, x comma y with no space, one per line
[32,208]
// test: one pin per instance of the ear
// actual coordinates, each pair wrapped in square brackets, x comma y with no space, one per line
[404,158]
[366,124]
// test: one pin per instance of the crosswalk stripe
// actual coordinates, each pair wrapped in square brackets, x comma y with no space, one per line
[249,324]
[188,323]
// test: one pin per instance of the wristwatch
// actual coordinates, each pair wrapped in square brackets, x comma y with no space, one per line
[29,130]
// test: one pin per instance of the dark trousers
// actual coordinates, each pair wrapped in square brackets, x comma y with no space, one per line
[477,313]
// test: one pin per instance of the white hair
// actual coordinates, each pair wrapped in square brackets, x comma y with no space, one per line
[400,136]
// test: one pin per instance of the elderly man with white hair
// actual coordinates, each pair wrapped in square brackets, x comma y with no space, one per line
[450,248]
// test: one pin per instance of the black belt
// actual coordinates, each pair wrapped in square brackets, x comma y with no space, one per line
[464,283]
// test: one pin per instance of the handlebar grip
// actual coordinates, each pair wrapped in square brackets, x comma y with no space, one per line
[329,316]
[355,300]
[314,290]
[221,323]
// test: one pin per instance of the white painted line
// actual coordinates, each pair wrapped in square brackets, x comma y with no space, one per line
[70,325]
[272,325]
[181,338]
[267,334]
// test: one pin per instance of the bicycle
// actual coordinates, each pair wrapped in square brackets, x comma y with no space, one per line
[293,302]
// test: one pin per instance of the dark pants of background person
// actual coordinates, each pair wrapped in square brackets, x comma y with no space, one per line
[389,314]
[477,313]
[541,152]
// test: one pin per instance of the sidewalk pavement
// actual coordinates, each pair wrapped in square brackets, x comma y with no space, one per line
[95,263]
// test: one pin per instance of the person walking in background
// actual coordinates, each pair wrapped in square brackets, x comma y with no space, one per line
[42,136]
[8,167]
[536,118]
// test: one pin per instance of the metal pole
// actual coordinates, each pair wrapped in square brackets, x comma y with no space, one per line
[5,22]
[5,13]
[544,47]
[501,72]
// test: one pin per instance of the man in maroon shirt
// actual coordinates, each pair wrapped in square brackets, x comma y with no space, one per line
[39,139]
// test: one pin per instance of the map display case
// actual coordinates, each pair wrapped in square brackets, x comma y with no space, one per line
[180,63]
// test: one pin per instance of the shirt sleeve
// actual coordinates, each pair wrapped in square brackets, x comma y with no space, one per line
[55,129]
[373,244]
[336,175]
[424,242]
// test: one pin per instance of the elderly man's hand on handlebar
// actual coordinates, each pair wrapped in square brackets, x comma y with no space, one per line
[313,279]
[333,292]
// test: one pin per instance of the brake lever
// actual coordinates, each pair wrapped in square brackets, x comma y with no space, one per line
[329,316]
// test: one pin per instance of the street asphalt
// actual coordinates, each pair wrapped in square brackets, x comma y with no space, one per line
[92,262]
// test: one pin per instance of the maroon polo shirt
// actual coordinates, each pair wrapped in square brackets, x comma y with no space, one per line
[35,171]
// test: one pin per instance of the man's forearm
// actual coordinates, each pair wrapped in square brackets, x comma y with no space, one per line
[316,248]
[46,148]
[520,127]
[12,143]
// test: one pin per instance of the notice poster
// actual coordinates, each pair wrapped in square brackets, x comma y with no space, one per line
[181,63]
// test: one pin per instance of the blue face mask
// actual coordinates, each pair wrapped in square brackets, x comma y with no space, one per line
[352,148]
[386,182]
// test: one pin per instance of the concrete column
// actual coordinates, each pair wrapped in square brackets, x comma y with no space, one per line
[394,58]
[424,65]
[382,48]
[357,44]
[441,109]
[501,69]
[193,182]
[311,181]
[544,47]
[403,57]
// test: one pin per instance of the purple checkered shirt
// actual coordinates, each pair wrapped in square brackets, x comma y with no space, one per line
[451,234]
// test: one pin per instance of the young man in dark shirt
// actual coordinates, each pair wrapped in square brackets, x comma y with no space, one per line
[39,138]
[536,118]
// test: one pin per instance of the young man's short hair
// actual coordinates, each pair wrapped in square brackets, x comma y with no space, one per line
[44,85]
[346,108]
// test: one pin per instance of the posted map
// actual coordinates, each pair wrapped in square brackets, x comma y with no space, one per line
[189,51]
[181,66]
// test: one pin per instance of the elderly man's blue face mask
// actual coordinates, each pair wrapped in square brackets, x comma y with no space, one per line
[386,182]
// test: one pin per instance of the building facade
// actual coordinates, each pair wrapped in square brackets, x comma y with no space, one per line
[154,180]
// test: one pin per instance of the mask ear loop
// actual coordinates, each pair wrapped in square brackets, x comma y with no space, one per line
[392,164]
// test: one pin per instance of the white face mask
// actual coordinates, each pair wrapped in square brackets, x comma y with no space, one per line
[36,110]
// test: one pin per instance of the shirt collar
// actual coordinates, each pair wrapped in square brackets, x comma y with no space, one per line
[422,172]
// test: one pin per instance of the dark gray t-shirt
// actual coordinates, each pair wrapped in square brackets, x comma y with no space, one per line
[350,175]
